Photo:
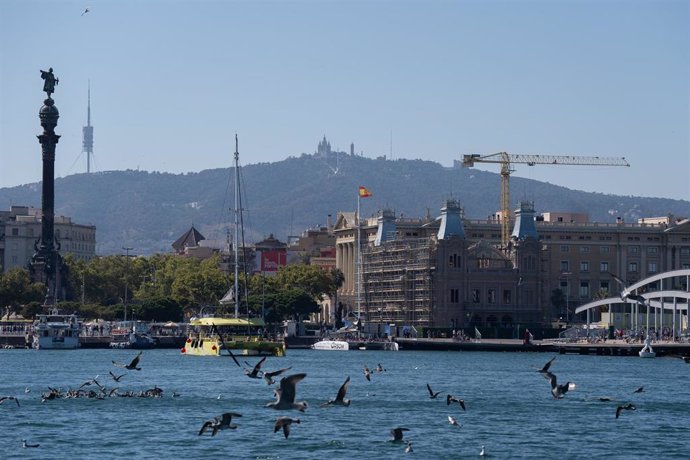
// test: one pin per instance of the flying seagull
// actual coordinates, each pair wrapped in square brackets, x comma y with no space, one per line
[268,376]
[452,399]
[639,390]
[367,373]
[620,409]
[93,381]
[25,444]
[9,398]
[379,368]
[131,366]
[558,391]
[546,367]
[115,377]
[256,372]
[284,423]
[340,397]
[432,395]
[408,449]
[453,421]
[85,11]
[285,399]
[397,434]
[223,422]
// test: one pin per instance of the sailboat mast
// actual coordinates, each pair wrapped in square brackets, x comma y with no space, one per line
[237,226]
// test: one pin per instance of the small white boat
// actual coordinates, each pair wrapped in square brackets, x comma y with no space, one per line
[56,331]
[647,351]
[331,344]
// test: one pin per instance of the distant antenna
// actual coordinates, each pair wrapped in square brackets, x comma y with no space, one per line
[87,145]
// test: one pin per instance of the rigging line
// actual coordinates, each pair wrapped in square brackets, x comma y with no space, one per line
[244,254]
[222,207]
[74,163]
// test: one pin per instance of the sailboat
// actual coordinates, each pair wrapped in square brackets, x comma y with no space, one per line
[212,335]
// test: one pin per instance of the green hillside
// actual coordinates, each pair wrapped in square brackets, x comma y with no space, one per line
[148,211]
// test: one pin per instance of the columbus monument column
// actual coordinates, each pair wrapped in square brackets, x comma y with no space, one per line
[45,263]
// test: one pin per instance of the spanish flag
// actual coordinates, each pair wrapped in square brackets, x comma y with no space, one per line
[363,192]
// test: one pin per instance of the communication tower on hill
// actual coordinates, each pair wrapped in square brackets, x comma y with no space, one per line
[87,144]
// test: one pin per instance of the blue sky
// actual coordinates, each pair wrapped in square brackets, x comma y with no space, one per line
[173,81]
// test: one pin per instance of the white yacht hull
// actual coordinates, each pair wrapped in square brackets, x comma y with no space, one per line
[332,345]
[56,343]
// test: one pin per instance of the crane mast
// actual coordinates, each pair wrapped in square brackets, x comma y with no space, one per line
[506,159]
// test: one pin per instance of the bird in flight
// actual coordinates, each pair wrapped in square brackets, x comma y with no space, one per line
[268,376]
[131,366]
[367,373]
[452,399]
[256,371]
[284,423]
[85,11]
[9,398]
[285,395]
[546,367]
[340,397]
[432,394]
[639,390]
[116,377]
[558,391]
[620,409]
[397,434]
[219,423]
[453,421]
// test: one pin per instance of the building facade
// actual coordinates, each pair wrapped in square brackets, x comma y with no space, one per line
[452,272]
[20,228]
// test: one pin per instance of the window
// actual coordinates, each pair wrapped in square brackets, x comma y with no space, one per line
[491,296]
[507,296]
[565,266]
[584,266]
[454,296]
[565,248]
[651,267]
[632,267]
[15,232]
[604,286]
[604,249]
[603,267]
[633,250]
[685,250]
[454,261]
[584,289]
[475,296]
[584,249]
[652,250]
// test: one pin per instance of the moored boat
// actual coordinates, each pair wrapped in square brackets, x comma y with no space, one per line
[56,331]
[211,335]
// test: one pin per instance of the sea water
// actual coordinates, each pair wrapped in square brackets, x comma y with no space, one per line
[510,409]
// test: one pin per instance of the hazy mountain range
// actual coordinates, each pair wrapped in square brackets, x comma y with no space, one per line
[148,211]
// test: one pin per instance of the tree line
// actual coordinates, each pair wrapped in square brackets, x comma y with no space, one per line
[167,287]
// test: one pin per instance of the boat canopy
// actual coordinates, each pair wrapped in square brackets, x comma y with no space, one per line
[258,322]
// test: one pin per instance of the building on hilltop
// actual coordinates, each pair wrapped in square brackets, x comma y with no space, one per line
[20,228]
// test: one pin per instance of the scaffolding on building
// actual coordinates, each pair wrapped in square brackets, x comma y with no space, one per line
[397,284]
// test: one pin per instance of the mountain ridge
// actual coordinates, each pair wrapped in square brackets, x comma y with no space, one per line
[149,210]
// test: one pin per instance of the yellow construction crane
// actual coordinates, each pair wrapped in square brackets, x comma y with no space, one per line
[505,159]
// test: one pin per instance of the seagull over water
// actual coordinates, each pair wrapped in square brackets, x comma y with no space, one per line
[115,377]
[432,395]
[25,444]
[558,391]
[546,367]
[639,390]
[340,397]
[223,422]
[453,421]
[9,398]
[85,11]
[408,449]
[132,366]
[256,372]
[397,434]
[268,376]
[451,399]
[620,409]
[284,423]
[367,373]
[286,394]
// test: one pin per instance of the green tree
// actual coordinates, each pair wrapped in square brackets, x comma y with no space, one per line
[16,289]
[296,303]
[310,278]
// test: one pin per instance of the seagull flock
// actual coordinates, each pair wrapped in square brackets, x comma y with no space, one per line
[285,398]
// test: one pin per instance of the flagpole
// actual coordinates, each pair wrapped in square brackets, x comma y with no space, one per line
[358,261]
